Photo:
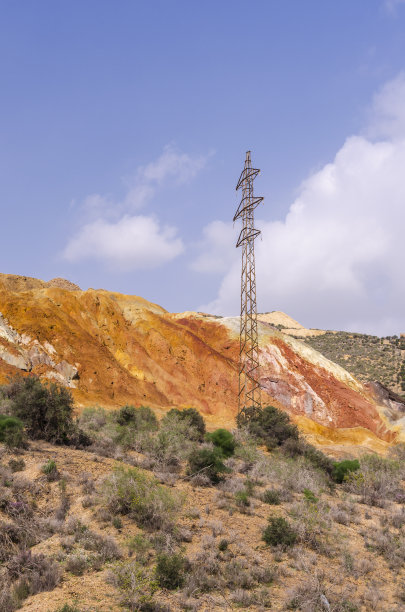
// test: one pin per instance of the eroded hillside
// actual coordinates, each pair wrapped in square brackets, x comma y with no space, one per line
[112,349]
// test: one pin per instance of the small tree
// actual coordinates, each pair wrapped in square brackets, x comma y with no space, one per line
[279,533]
[207,462]
[193,417]
[271,425]
[223,440]
[170,570]
[45,408]
[343,468]
[141,419]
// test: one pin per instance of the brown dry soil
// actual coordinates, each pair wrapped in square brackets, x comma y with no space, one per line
[351,569]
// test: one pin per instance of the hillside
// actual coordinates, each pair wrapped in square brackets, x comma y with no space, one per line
[368,358]
[112,349]
[99,526]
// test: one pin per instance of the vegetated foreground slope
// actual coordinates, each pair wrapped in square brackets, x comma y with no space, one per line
[112,349]
[132,525]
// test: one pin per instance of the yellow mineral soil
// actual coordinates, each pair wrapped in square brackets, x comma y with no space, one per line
[112,349]
[290,325]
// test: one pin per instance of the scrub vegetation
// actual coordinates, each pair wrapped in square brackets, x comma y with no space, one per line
[132,513]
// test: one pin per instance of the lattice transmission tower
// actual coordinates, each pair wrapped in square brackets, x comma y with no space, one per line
[249,387]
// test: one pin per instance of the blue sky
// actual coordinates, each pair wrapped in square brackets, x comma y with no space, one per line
[123,130]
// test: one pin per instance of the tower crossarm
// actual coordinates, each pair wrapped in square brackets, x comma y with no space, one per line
[247,233]
[247,204]
[249,374]
[247,174]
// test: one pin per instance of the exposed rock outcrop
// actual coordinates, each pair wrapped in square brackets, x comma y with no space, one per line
[112,349]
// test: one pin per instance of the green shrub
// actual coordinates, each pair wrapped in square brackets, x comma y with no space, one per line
[136,584]
[194,418]
[140,545]
[270,425]
[11,431]
[142,498]
[242,499]
[223,440]
[293,447]
[207,462]
[279,533]
[377,480]
[141,419]
[342,468]
[310,496]
[170,570]
[46,409]
[223,545]
[174,441]
[272,497]
[117,522]
[126,414]
[50,470]
[93,419]
[68,608]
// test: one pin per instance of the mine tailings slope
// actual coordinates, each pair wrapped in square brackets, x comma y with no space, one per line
[112,349]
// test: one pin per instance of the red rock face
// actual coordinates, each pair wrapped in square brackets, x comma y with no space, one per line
[312,391]
[112,349]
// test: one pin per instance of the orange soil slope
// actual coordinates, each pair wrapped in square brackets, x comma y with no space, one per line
[112,349]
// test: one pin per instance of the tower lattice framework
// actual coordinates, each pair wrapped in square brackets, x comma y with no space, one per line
[249,387]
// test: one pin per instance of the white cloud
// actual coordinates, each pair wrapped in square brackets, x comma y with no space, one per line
[179,166]
[387,117]
[136,242]
[338,258]
[217,249]
[114,235]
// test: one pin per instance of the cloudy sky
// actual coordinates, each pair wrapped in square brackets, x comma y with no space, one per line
[123,130]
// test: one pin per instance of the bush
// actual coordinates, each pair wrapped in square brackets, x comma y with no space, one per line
[223,545]
[271,497]
[174,442]
[76,563]
[50,470]
[312,522]
[223,440]
[136,584]
[300,448]
[141,419]
[377,480]
[141,546]
[45,408]
[310,496]
[207,462]
[194,418]
[130,491]
[11,431]
[35,573]
[271,425]
[242,499]
[279,533]
[68,608]
[170,570]
[342,468]
[16,465]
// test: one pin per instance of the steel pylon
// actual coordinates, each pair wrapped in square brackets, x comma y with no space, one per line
[249,387]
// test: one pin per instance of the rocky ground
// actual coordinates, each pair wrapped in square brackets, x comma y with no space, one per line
[349,552]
